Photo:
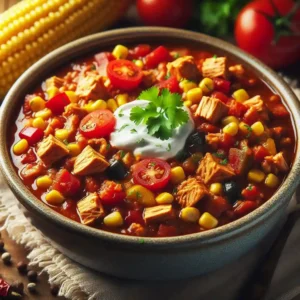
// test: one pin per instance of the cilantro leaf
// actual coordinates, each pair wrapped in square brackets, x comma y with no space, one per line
[163,113]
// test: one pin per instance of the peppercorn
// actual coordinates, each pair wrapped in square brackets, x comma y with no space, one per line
[31,287]
[22,267]
[2,247]
[32,276]
[54,289]
[6,257]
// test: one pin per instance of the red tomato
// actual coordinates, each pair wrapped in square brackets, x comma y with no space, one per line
[278,110]
[111,193]
[152,173]
[31,134]
[251,116]
[260,152]
[251,192]
[260,23]
[171,13]
[99,123]
[226,141]
[236,109]
[217,205]
[221,96]
[244,208]
[134,216]
[221,85]
[166,230]
[29,157]
[57,103]
[102,59]
[171,84]
[66,183]
[139,51]
[124,74]
[208,128]
[157,56]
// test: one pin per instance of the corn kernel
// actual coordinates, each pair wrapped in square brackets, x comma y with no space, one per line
[216,188]
[240,95]
[194,95]
[206,85]
[74,149]
[190,214]
[112,105]
[244,128]
[44,114]
[37,103]
[54,197]
[140,194]
[114,219]
[269,144]
[177,175]
[20,147]
[164,198]
[187,85]
[62,134]
[98,104]
[72,96]
[256,175]
[139,63]
[122,99]
[230,119]
[231,129]
[39,123]
[258,128]
[120,52]
[44,182]
[187,103]
[208,221]
[51,92]
[272,181]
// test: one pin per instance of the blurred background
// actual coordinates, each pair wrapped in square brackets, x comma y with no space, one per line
[29,29]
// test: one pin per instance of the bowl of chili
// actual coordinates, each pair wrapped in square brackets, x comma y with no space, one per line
[151,156]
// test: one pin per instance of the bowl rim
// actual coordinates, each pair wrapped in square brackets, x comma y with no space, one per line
[237,227]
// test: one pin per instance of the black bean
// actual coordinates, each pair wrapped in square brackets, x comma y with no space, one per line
[54,289]
[22,267]
[32,276]
[231,190]
[116,170]
[196,142]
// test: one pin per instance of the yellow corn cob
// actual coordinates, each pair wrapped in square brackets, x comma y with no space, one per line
[32,28]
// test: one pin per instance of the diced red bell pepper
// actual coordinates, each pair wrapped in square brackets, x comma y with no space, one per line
[279,111]
[134,216]
[251,192]
[208,128]
[251,116]
[240,159]
[226,141]
[157,56]
[29,157]
[111,193]
[166,230]
[221,96]
[171,84]
[236,109]
[66,183]
[31,134]
[221,85]
[244,208]
[57,103]
[260,152]
[4,287]
[102,59]
[217,205]
[139,51]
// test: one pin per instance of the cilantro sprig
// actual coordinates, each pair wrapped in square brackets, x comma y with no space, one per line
[163,113]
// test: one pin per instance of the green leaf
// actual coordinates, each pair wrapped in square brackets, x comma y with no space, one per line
[151,95]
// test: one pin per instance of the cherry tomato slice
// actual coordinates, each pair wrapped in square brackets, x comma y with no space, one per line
[99,123]
[152,173]
[111,193]
[124,74]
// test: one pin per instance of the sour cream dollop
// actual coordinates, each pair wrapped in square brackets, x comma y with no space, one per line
[131,137]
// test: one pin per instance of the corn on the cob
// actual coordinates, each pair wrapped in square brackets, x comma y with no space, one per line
[32,28]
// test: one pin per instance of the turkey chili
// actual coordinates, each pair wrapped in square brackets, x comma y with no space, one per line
[153,141]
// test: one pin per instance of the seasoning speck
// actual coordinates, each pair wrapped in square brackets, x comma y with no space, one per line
[31,287]
[22,267]
[6,257]
[32,276]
